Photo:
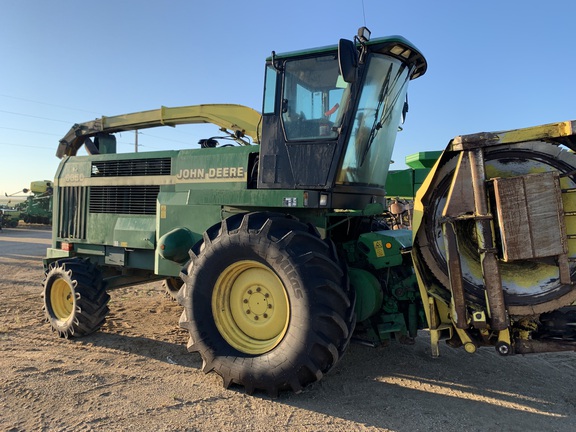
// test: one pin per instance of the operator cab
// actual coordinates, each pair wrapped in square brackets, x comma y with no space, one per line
[330,116]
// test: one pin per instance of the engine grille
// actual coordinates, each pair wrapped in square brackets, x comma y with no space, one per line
[132,200]
[72,211]
[135,167]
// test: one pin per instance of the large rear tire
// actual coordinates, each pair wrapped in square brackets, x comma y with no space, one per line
[75,297]
[267,303]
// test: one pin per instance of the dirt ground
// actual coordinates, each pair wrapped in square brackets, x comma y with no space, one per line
[136,374]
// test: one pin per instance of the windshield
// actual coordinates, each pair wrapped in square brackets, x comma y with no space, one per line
[371,142]
[313,92]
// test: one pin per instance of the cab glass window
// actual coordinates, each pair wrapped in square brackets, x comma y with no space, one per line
[376,123]
[313,92]
[269,90]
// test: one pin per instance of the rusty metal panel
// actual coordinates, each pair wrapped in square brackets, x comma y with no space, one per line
[460,200]
[546,132]
[529,216]
[455,275]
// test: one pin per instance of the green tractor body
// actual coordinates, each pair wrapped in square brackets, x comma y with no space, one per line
[277,248]
[324,148]
[262,231]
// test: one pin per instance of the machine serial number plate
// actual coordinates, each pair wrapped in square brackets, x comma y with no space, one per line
[290,202]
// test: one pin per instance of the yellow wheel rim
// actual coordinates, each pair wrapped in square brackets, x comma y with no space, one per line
[250,307]
[61,299]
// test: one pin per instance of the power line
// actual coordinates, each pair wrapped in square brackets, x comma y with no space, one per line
[163,138]
[60,135]
[24,145]
[187,143]
[28,131]
[37,117]
[49,104]
[70,122]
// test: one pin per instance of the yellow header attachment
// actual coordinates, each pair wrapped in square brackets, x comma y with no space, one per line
[238,119]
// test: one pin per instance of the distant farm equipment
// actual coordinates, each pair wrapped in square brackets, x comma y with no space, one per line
[9,217]
[37,209]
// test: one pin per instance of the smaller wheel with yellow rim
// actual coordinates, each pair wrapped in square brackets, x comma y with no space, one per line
[75,297]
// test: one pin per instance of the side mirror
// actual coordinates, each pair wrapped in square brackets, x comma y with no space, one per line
[347,60]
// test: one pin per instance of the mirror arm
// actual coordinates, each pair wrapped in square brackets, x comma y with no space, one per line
[278,68]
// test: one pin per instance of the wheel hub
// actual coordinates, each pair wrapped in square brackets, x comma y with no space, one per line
[250,307]
[61,299]
[258,304]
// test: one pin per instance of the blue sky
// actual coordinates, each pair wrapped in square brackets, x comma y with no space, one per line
[492,65]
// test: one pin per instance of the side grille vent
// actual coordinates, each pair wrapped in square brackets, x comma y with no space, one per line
[72,211]
[133,200]
[136,167]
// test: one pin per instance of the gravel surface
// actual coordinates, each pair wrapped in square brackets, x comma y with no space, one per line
[135,374]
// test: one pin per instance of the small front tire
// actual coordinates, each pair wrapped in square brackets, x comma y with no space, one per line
[75,297]
[172,287]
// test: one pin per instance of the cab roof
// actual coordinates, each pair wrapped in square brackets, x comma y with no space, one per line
[395,46]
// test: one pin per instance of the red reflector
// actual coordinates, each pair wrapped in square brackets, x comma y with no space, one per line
[67,247]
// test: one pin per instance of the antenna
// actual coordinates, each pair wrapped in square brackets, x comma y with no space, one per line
[364,13]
